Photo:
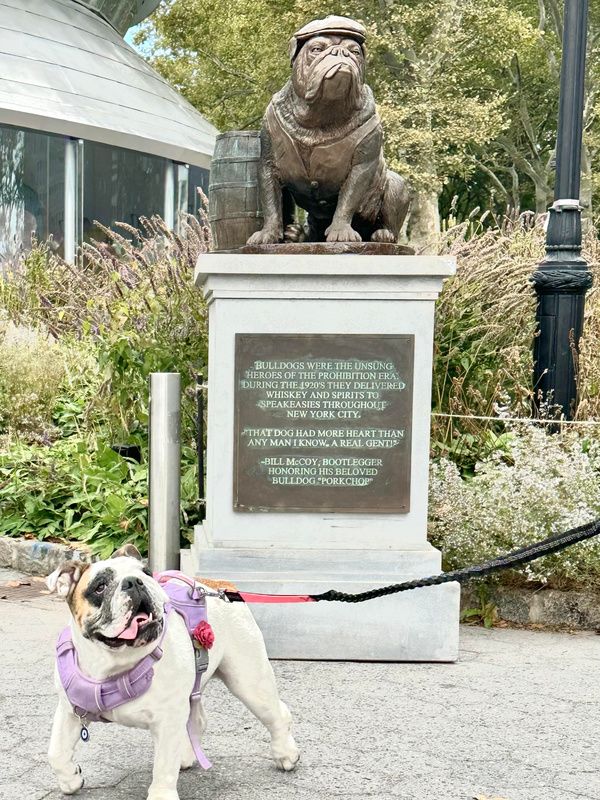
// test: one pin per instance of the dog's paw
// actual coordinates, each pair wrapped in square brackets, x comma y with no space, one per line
[266,236]
[71,783]
[162,794]
[285,754]
[383,235]
[188,759]
[342,233]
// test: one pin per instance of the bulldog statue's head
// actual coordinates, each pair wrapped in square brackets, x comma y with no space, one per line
[115,603]
[328,63]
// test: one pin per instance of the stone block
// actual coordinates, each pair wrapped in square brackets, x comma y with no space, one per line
[339,309]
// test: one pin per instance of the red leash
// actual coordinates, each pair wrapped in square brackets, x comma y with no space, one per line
[251,597]
[235,596]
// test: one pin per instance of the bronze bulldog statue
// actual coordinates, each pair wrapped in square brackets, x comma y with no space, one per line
[321,145]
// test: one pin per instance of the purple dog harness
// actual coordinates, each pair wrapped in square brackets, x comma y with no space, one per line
[91,698]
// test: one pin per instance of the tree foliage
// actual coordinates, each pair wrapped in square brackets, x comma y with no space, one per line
[467,89]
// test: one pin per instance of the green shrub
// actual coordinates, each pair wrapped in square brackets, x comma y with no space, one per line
[484,332]
[539,485]
[77,489]
[80,489]
[128,310]
[74,410]
[483,344]
[154,321]
[32,370]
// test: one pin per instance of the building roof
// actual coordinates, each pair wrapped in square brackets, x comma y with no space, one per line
[65,70]
[121,14]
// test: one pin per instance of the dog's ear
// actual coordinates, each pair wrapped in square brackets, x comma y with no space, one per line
[65,578]
[129,551]
[293,49]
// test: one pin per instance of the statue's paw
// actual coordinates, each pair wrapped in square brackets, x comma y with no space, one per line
[342,233]
[266,236]
[293,233]
[383,235]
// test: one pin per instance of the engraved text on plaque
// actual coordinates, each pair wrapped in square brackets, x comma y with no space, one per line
[323,422]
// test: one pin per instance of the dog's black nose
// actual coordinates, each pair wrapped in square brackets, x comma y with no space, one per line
[129,583]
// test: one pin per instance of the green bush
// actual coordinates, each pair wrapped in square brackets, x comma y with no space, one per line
[484,332]
[32,371]
[538,485]
[484,329]
[133,302]
[78,489]
[128,310]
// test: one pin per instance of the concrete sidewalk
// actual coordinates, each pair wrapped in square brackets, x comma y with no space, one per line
[517,718]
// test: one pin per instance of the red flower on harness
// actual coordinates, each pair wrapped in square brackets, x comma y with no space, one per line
[204,635]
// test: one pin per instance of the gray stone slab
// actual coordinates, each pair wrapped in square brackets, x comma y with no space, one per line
[341,631]
[7,574]
[37,558]
[515,718]
[575,610]
[366,326]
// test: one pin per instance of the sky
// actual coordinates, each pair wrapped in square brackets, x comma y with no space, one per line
[131,33]
[143,50]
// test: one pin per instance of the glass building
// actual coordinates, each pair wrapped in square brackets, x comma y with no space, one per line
[89,133]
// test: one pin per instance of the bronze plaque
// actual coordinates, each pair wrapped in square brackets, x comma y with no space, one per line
[323,422]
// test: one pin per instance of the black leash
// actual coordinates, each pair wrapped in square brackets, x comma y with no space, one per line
[553,544]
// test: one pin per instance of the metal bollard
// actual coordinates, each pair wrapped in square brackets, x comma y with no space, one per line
[200,403]
[164,470]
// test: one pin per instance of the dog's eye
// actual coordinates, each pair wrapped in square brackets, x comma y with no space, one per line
[316,49]
[100,588]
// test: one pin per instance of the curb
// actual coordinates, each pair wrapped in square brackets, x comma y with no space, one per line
[547,607]
[37,558]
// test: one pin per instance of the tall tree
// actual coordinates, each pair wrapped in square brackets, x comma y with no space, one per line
[227,60]
[436,74]
[520,162]
[464,87]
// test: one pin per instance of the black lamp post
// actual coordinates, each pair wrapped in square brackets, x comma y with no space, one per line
[563,278]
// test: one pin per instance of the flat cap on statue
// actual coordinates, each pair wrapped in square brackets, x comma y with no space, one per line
[342,26]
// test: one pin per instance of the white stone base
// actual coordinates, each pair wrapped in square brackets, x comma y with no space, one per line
[304,552]
[419,625]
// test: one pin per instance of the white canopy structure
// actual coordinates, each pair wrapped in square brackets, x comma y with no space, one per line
[122,14]
[65,70]
[67,74]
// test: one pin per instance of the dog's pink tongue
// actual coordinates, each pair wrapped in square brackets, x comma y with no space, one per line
[131,631]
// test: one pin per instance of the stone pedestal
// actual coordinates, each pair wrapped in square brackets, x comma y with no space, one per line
[304,311]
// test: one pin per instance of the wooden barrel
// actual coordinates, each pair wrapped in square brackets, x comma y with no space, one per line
[233,201]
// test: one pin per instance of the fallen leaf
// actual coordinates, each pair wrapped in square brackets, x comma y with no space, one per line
[15,584]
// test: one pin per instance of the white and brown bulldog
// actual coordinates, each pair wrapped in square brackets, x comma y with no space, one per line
[117,619]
